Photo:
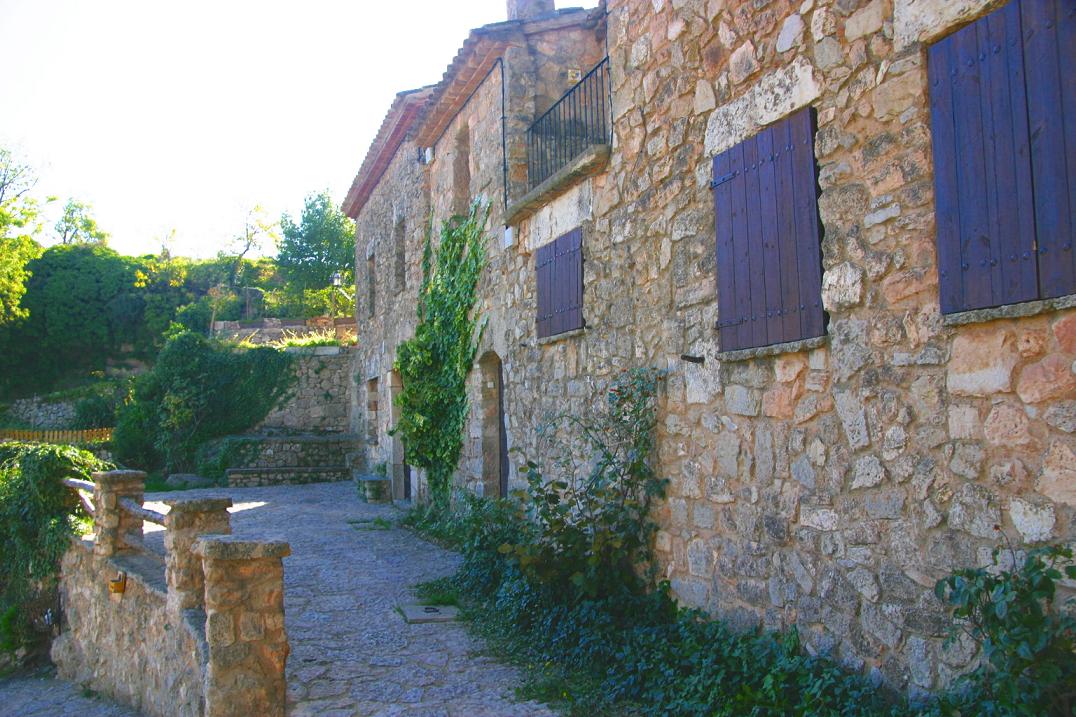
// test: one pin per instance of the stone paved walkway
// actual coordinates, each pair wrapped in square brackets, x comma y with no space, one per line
[352,653]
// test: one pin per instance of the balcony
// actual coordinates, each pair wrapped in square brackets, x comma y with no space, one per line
[579,120]
[569,141]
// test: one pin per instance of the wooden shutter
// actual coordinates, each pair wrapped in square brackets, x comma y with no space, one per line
[769,266]
[559,266]
[982,165]
[544,259]
[1049,41]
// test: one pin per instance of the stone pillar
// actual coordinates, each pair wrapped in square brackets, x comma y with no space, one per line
[528,9]
[111,522]
[248,646]
[188,519]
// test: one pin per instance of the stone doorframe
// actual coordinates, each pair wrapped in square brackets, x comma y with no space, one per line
[401,472]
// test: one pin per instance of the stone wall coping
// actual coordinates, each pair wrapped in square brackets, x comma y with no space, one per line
[315,350]
[789,347]
[117,477]
[230,547]
[205,504]
[1009,311]
[589,162]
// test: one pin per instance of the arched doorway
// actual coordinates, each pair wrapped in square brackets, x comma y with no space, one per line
[401,472]
[494,435]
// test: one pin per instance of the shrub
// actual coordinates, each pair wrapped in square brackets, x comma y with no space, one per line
[1028,664]
[198,390]
[38,515]
[95,411]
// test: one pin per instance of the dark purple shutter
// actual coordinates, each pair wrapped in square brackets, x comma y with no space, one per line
[544,266]
[769,270]
[559,266]
[1049,40]
[570,274]
[982,167]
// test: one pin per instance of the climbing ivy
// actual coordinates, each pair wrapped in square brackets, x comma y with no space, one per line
[435,362]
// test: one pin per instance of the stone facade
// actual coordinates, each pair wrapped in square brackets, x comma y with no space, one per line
[320,396]
[825,484]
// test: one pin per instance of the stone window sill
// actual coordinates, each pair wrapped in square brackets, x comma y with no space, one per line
[1009,311]
[591,161]
[788,347]
[556,338]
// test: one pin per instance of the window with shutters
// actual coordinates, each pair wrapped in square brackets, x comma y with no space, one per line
[769,263]
[1003,123]
[559,268]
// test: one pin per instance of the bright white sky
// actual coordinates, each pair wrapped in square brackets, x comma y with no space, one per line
[184,115]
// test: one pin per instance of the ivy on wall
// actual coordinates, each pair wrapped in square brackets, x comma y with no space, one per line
[435,362]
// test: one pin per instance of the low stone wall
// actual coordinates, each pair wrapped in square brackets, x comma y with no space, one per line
[41,414]
[255,477]
[129,646]
[266,331]
[197,634]
[286,451]
[319,397]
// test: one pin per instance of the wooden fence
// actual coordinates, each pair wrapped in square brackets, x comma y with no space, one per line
[90,435]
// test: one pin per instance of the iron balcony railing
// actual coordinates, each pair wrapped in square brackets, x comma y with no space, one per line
[578,120]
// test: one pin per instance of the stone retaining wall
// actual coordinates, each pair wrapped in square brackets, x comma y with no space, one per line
[319,398]
[46,415]
[286,451]
[252,477]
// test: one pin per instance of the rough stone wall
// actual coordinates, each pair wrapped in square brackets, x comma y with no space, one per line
[130,646]
[319,398]
[827,487]
[289,451]
[41,414]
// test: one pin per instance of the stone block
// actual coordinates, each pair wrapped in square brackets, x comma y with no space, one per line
[974,510]
[1035,521]
[1052,377]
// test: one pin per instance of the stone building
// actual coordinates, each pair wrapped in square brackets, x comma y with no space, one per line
[823,227]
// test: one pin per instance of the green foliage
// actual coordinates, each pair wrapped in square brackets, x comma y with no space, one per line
[37,516]
[435,362]
[15,253]
[320,245]
[95,411]
[198,390]
[1028,647]
[592,519]
[77,226]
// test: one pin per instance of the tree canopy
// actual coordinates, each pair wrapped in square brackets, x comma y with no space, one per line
[320,245]
[18,225]
[77,225]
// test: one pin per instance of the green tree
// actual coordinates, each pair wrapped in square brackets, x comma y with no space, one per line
[77,226]
[320,245]
[18,226]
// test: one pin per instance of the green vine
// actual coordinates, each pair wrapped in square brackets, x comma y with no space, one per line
[434,364]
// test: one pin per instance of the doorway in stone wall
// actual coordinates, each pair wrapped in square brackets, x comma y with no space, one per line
[401,472]
[494,434]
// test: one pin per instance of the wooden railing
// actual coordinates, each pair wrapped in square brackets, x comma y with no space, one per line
[81,437]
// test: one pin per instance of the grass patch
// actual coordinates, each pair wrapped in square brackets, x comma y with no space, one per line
[378,523]
[441,591]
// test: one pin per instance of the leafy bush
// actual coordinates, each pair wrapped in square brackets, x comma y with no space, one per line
[95,411]
[37,516]
[1028,648]
[592,520]
[198,390]
[435,362]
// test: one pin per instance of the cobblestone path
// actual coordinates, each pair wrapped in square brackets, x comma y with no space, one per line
[352,653]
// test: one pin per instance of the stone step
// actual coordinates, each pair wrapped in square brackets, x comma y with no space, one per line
[286,475]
